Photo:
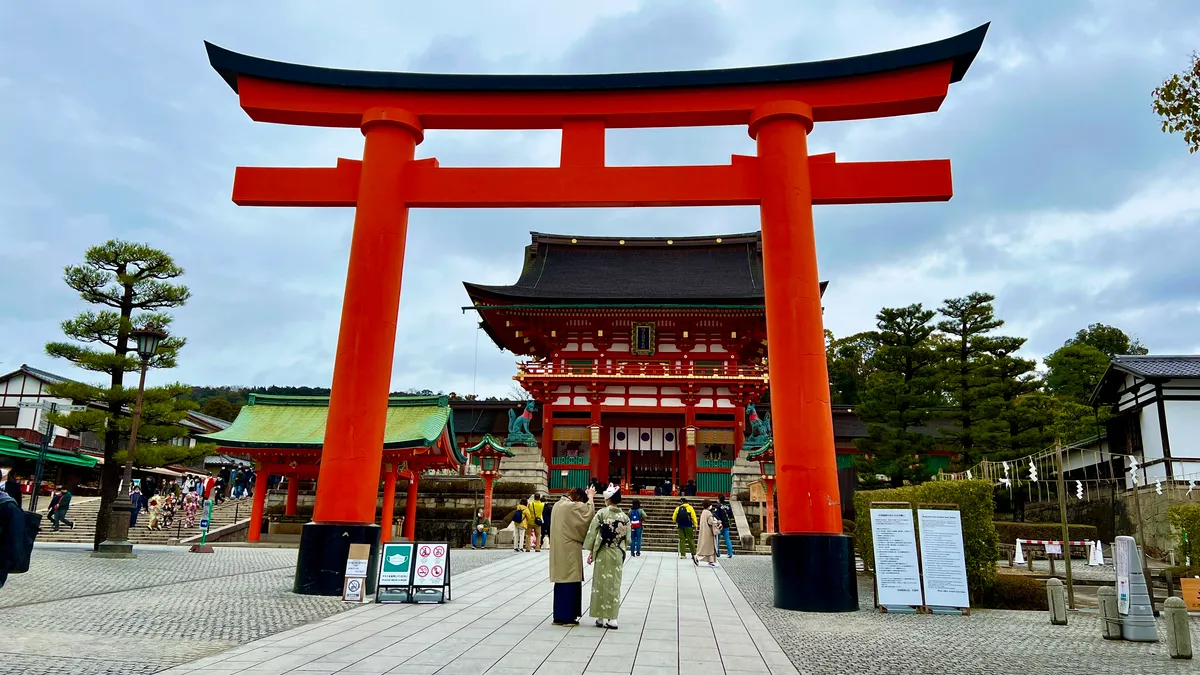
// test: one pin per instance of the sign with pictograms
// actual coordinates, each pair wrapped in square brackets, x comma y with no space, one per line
[431,572]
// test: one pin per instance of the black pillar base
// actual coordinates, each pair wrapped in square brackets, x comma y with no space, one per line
[814,572]
[324,549]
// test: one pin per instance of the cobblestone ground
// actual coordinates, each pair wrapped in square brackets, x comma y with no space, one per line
[987,642]
[77,614]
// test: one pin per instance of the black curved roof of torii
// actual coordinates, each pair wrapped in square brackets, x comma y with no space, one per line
[961,49]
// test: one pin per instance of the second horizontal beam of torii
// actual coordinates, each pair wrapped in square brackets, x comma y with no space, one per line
[427,185]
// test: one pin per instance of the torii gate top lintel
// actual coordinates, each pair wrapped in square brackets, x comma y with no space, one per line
[902,81]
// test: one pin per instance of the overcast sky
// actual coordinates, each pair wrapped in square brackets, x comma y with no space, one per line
[1070,205]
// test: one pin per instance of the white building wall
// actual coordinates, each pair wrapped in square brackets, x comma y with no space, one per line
[1183,429]
[24,388]
[1151,436]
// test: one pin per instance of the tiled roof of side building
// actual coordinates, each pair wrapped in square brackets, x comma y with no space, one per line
[1183,366]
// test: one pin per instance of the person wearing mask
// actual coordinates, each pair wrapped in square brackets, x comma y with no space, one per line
[606,539]
[724,513]
[637,520]
[568,529]
[479,536]
[706,549]
[12,487]
[685,520]
[135,498]
[12,536]
[536,509]
[60,509]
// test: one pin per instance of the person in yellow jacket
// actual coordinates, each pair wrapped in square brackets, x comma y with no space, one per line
[537,508]
[685,519]
[523,524]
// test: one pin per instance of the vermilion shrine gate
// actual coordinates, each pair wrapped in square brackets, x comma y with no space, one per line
[813,561]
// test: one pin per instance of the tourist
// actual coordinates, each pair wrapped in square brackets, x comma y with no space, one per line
[685,519]
[537,508]
[12,535]
[210,484]
[12,487]
[689,490]
[481,531]
[724,513]
[155,513]
[521,520]
[568,529]
[168,510]
[637,518]
[546,513]
[606,535]
[706,548]
[60,508]
[135,498]
[191,504]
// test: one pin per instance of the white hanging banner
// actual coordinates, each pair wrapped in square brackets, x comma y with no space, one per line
[897,572]
[943,558]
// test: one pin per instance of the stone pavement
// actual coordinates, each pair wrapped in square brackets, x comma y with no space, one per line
[77,614]
[989,642]
[675,618]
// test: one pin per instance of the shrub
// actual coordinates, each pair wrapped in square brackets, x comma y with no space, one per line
[1011,591]
[1185,518]
[848,526]
[976,505]
[1010,532]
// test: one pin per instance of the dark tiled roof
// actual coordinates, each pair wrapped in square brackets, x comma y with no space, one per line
[37,373]
[684,270]
[1159,366]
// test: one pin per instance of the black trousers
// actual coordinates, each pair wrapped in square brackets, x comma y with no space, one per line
[568,602]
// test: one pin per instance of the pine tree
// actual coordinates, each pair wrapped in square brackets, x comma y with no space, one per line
[969,382]
[849,362]
[1015,381]
[133,284]
[900,396]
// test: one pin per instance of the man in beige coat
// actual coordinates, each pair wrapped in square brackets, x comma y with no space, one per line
[568,528]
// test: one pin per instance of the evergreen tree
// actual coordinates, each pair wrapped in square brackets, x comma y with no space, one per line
[133,284]
[1015,381]
[1108,339]
[1074,371]
[900,396]
[849,365]
[969,380]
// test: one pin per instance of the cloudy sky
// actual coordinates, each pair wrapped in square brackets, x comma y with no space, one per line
[1070,205]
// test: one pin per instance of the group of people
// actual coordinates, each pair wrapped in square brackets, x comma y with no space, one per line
[713,522]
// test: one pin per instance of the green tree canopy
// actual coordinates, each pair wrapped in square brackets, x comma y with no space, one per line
[850,364]
[970,382]
[1074,370]
[1108,339]
[1177,102]
[220,408]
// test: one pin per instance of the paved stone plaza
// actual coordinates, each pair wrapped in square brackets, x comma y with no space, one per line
[233,612]
[82,615]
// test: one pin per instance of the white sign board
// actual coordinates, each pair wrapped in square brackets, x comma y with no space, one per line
[1123,555]
[897,573]
[1053,549]
[943,559]
[430,564]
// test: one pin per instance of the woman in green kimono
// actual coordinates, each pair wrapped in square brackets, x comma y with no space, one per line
[605,543]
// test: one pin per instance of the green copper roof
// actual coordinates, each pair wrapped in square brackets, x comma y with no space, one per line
[14,447]
[768,447]
[269,421]
[489,440]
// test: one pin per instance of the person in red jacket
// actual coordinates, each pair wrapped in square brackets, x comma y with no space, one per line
[209,483]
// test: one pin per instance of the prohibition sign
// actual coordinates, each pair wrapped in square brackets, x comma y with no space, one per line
[422,571]
[424,551]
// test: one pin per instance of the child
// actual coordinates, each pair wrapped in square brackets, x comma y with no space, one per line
[637,517]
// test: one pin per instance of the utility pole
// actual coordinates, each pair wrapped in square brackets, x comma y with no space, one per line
[1066,531]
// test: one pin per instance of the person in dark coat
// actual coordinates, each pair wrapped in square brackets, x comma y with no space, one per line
[60,509]
[13,487]
[12,535]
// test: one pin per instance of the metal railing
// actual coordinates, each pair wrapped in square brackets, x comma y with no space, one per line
[641,369]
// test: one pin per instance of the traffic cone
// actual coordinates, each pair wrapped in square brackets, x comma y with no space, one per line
[1019,559]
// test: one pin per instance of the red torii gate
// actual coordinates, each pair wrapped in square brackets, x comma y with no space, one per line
[813,561]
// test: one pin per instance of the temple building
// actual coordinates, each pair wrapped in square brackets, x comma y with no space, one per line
[642,354]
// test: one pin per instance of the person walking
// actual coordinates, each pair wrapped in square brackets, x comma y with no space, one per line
[481,531]
[536,509]
[606,538]
[637,520]
[706,549]
[191,504]
[724,513]
[12,536]
[569,527]
[521,520]
[135,498]
[685,519]
[60,509]
[12,487]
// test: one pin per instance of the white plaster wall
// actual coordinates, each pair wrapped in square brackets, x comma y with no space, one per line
[563,389]
[671,390]
[611,389]
[643,390]
[562,400]
[1151,437]
[643,401]
[672,403]
[614,400]
[1183,428]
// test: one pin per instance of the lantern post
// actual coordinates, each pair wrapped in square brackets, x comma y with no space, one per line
[490,452]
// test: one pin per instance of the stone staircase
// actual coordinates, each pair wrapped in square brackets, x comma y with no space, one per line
[83,512]
[659,531]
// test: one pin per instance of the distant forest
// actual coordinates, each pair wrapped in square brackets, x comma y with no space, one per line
[225,402]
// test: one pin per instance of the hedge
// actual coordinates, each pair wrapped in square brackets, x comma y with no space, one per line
[1185,518]
[1011,591]
[976,503]
[1010,532]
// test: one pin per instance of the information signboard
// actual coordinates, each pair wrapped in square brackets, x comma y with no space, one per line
[1124,553]
[943,558]
[395,573]
[897,571]
[431,572]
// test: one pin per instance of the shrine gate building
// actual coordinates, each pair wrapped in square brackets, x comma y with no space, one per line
[642,352]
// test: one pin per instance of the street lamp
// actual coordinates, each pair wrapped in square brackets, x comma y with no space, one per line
[490,452]
[765,456]
[116,543]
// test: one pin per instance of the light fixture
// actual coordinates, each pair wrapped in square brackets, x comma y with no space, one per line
[148,340]
[691,435]
[487,464]
[595,429]
[768,469]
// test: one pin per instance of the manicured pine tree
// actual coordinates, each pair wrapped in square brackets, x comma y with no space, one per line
[1016,381]
[969,381]
[900,396]
[849,361]
[132,283]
